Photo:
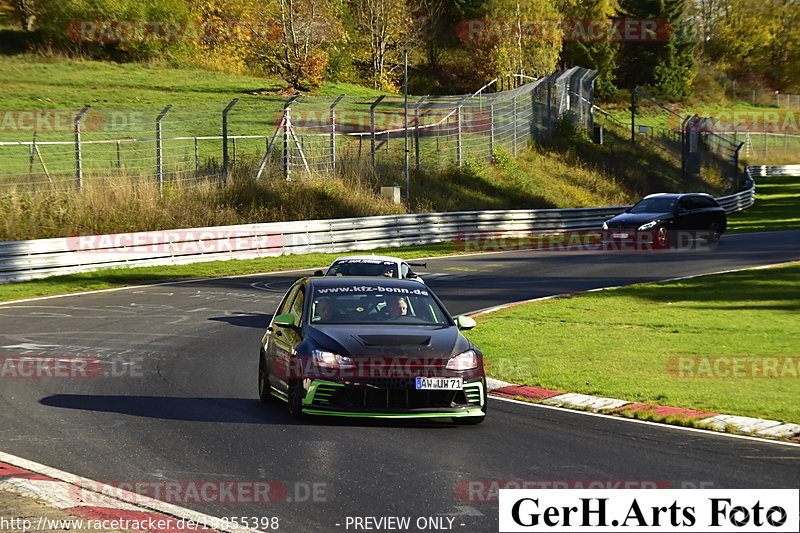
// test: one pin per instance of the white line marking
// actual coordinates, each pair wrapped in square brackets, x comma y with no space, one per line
[637,421]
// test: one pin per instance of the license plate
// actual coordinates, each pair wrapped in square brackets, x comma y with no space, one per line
[620,235]
[440,383]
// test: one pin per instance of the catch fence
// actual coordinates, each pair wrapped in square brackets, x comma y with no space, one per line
[276,135]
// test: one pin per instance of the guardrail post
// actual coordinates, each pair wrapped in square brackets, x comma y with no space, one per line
[333,131]
[372,128]
[159,151]
[416,131]
[78,159]
[225,159]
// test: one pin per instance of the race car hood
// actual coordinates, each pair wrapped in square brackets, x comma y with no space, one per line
[634,220]
[382,340]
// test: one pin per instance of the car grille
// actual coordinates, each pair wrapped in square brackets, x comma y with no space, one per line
[393,393]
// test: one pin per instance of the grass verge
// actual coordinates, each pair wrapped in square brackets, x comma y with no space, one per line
[120,277]
[777,207]
[626,343]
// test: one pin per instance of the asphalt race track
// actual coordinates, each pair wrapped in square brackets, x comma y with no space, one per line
[182,404]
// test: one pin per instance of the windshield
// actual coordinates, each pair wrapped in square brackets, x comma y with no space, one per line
[363,267]
[654,205]
[359,304]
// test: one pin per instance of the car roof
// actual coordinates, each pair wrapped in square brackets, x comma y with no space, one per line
[373,257]
[676,194]
[318,281]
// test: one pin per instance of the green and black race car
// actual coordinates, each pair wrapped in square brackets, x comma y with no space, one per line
[367,347]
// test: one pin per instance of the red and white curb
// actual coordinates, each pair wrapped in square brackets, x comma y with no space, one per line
[612,406]
[90,500]
[714,421]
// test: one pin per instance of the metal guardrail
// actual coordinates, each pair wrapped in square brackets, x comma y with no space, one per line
[26,260]
[773,170]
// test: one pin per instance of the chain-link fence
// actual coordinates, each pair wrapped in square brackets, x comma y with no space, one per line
[693,140]
[274,135]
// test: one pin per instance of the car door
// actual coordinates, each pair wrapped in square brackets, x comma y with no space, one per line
[686,214]
[282,340]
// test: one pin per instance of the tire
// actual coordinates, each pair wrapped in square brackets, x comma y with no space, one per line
[295,399]
[713,233]
[662,238]
[263,380]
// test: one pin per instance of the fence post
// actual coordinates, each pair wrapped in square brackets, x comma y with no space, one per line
[287,127]
[119,156]
[225,160]
[549,107]
[31,151]
[491,130]
[458,136]
[514,122]
[333,131]
[196,157]
[159,151]
[78,160]
[416,131]
[633,116]
[372,128]
[286,167]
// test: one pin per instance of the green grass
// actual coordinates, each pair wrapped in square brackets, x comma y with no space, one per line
[618,343]
[777,207]
[120,277]
[30,81]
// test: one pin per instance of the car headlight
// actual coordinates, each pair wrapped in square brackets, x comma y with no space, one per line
[328,359]
[605,225]
[463,361]
[648,225]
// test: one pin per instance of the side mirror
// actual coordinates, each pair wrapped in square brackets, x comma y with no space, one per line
[318,273]
[411,275]
[285,320]
[465,322]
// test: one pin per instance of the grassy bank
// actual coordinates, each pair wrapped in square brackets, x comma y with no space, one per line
[625,343]
[777,207]
[32,81]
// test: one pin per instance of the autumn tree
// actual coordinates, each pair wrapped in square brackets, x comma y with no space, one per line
[386,27]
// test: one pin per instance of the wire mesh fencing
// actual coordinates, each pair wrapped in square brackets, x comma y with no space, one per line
[268,136]
[695,141]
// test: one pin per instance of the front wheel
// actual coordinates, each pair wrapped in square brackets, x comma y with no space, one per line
[295,399]
[264,388]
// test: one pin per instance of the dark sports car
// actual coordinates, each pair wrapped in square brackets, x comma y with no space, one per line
[670,219]
[367,347]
